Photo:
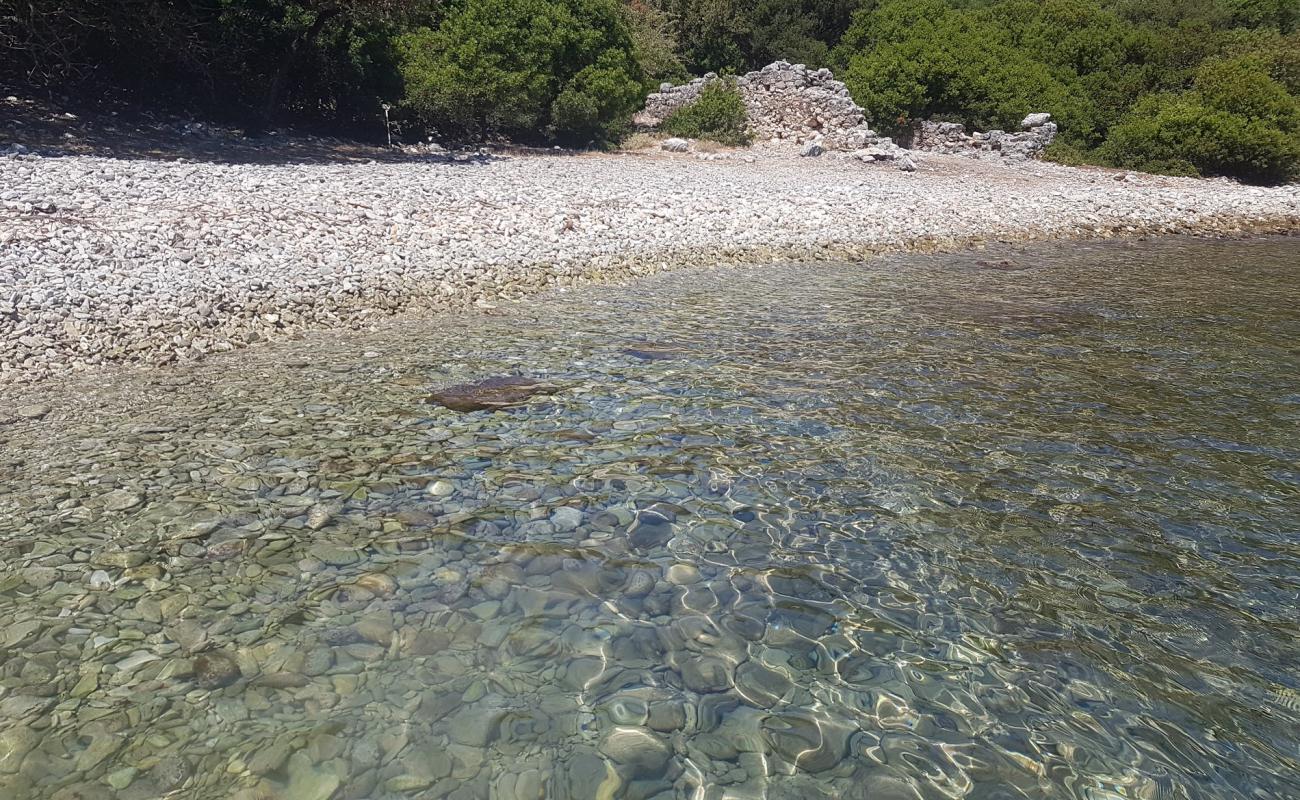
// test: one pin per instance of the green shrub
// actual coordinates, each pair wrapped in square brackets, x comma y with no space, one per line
[1183,134]
[922,59]
[528,69]
[718,114]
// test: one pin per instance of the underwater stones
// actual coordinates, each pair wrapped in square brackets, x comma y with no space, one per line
[270,758]
[334,555]
[586,776]
[170,772]
[16,741]
[377,583]
[406,783]
[486,610]
[653,353]
[341,635]
[761,685]
[319,516]
[566,519]
[793,626]
[810,743]
[441,489]
[639,583]
[636,749]
[490,393]
[283,680]
[117,559]
[526,784]
[122,500]
[627,710]
[1001,265]
[683,574]
[307,781]
[376,629]
[426,643]
[215,670]
[649,532]
[39,577]
[103,743]
[477,724]
[496,580]
[666,716]
[705,674]
[883,785]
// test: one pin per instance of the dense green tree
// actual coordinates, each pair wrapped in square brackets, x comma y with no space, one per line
[734,36]
[324,60]
[561,69]
[654,42]
[922,59]
[1205,86]
[1190,92]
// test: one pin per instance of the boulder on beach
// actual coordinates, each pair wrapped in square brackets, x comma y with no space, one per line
[490,393]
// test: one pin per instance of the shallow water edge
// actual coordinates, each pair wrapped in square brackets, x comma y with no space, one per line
[1000,526]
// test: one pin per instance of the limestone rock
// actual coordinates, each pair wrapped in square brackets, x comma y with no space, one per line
[490,393]
[1034,120]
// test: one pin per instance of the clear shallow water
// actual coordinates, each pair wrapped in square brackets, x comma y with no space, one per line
[913,529]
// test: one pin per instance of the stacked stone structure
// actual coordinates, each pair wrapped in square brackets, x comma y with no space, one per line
[785,102]
[1037,132]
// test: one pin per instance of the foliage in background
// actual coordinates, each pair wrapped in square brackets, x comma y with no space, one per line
[1236,120]
[1195,87]
[254,61]
[525,68]
[1187,86]
[717,115]
[729,36]
[654,43]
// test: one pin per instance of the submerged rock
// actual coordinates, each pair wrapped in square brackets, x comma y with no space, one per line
[808,742]
[215,670]
[490,393]
[636,748]
[653,353]
[1003,264]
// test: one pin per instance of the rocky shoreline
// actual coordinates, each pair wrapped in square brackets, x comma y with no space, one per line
[106,261]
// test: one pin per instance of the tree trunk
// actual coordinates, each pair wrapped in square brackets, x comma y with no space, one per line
[281,77]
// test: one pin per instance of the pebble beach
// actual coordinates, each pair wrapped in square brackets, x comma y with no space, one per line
[111,261]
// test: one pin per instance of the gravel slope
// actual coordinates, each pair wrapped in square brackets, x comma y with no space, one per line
[105,260]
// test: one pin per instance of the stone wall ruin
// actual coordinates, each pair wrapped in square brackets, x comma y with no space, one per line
[785,102]
[792,103]
[1037,132]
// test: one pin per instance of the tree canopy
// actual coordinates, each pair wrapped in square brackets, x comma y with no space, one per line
[1188,86]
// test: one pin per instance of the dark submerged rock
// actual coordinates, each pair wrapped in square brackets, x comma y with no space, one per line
[491,393]
[215,670]
[1002,265]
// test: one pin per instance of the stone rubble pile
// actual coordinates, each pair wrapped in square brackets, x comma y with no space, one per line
[108,261]
[785,102]
[1037,132]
